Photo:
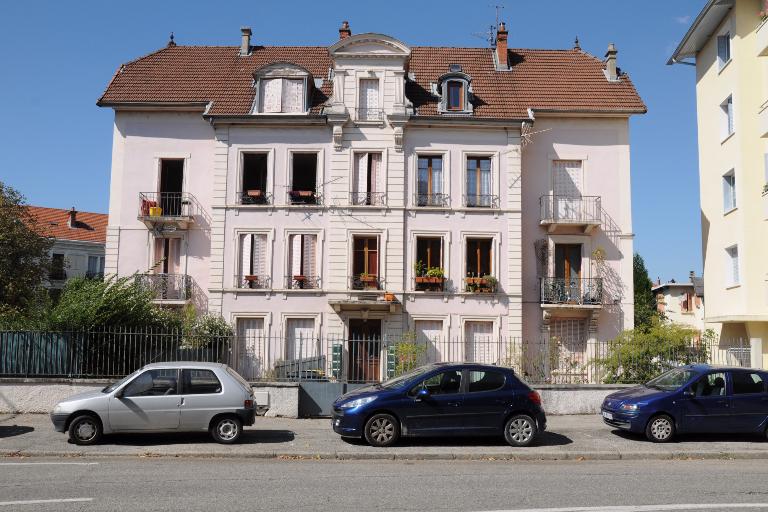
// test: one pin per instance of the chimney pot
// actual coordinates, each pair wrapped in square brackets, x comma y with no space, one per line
[611,70]
[501,46]
[344,30]
[72,217]
[245,41]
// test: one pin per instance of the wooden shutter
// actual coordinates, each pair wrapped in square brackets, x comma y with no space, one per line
[369,96]
[246,261]
[309,255]
[293,95]
[271,92]
[259,254]
[361,175]
[377,178]
[295,260]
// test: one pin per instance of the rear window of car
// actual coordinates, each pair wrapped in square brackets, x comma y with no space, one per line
[746,383]
[480,381]
[200,382]
[239,378]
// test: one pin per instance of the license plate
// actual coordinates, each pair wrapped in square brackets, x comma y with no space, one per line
[607,415]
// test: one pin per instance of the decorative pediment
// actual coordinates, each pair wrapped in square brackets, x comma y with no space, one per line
[369,45]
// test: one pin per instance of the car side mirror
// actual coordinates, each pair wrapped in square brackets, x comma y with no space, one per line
[422,393]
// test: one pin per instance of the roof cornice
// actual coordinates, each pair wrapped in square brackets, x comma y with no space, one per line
[710,17]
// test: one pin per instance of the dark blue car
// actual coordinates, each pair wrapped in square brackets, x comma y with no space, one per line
[695,398]
[442,400]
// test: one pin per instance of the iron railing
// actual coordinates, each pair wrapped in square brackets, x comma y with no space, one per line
[57,274]
[304,197]
[255,197]
[298,282]
[367,199]
[481,201]
[369,114]
[366,282]
[570,209]
[253,282]
[168,205]
[170,287]
[578,291]
[434,200]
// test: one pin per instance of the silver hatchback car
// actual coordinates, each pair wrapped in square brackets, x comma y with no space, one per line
[162,397]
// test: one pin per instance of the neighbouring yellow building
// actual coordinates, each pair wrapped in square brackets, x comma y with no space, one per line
[728,44]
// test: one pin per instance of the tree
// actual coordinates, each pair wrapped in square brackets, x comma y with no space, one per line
[645,301]
[24,254]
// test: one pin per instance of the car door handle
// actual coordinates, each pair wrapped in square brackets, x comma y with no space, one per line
[454,404]
[181,401]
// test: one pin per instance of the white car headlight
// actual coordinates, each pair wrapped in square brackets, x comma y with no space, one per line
[629,407]
[358,402]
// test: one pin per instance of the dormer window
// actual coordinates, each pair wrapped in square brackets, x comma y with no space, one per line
[455,91]
[283,88]
[455,100]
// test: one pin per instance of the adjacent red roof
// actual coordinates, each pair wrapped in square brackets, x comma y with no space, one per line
[555,80]
[54,222]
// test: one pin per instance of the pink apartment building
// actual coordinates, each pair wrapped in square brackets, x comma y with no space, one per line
[370,188]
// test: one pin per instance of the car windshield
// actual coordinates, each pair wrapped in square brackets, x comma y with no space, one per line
[671,380]
[119,383]
[406,377]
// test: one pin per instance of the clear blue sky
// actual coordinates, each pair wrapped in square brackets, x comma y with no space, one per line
[57,57]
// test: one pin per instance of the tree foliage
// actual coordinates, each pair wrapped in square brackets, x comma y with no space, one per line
[645,301]
[24,254]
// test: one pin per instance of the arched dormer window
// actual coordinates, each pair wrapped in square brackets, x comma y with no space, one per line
[282,88]
[455,91]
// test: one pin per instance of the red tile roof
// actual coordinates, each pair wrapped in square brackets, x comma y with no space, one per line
[556,80]
[89,227]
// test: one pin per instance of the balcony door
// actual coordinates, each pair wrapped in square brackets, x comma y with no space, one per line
[568,272]
[567,189]
[167,256]
[365,262]
[368,179]
[430,181]
[369,100]
[171,185]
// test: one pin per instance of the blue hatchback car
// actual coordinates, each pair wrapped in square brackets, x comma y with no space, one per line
[695,398]
[443,400]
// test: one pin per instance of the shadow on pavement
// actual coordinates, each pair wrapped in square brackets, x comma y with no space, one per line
[14,430]
[545,439]
[697,438]
[155,439]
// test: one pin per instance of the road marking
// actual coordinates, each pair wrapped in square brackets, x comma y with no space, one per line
[48,463]
[644,508]
[39,502]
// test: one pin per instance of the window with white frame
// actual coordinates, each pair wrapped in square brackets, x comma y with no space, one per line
[95,267]
[729,191]
[454,89]
[253,261]
[368,181]
[479,343]
[304,186]
[282,95]
[428,270]
[301,339]
[369,108]
[302,262]
[254,178]
[723,49]
[478,191]
[732,265]
[726,109]
[429,186]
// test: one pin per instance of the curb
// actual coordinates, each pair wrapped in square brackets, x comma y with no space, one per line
[347,456]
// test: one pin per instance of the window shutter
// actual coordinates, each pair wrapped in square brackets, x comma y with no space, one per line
[361,176]
[437,175]
[726,194]
[369,96]
[295,255]
[485,178]
[271,91]
[730,115]
[310,257]
[246,264]
[174,264]
[721,49]
[259,252]
[377,178]
[293,97]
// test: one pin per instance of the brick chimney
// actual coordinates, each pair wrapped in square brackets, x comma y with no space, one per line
[72,222]
[501,46]
[245,41]
[611,70]
[344,30]
[691,275]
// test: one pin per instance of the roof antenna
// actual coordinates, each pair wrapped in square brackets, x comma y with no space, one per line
[171,42]
[489,35]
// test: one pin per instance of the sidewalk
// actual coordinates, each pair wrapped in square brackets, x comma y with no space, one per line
[567,437]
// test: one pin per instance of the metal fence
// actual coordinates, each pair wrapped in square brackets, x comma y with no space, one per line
[261,357]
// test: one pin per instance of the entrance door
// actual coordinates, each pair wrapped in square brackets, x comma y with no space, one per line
[364,350]
[568,272]
[171,184]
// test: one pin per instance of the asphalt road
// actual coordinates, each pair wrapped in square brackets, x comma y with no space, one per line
[154,484]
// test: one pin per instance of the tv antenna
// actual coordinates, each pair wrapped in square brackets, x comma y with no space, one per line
[489,35]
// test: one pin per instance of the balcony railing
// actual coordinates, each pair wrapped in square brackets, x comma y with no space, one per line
[576,291]
[299,282]
[481,201]
[369,114]
[582,210]
[366,282]
[253,282]
[428,284]
[304,197]
[167,287]
[255,197]
[367,199]
[483,284]
[436,200]
[168,205]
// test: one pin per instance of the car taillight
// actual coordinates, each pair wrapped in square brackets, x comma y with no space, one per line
[534,397]
[248,404]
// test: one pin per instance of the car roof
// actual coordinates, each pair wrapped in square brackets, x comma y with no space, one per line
[473,365]
[185,364]
[703,367]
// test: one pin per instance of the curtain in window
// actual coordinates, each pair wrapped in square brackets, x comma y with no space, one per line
[271,91]
[246,246]
[293,97]
[300,341]
[485,179]
[295,259]
[309,259]
[430,332]
[437,175]
[478,344]
[567,188]
[369,97]
[253,255]
[361,175]
[377,178]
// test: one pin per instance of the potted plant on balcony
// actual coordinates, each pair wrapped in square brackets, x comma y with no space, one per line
[488,284]
[420,272]
[367,278]
[251,281]
[389,296]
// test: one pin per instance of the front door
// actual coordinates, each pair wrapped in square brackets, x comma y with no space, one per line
[364,350]
[439,413]
[567,272]
[709,409]
[149,402]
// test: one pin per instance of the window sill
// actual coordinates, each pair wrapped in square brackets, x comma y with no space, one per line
[728,137]
[728,212]
[725,65]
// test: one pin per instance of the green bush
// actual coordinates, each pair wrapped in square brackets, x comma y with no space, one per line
[641,354]
[203,330]
[409,353]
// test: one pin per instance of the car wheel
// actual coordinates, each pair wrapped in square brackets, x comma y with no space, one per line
[520,430]
[382,430]
[660,429]
[85,430]
[226,429]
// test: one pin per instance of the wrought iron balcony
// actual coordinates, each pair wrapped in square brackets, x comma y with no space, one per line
[481,201]
[299,282]
[367,199]
[369,114]
[178,209]
[434,200]
[304,197]
[167,287]
[253,282]
[573,291]
[255,197]
[580,211]
[366,282]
